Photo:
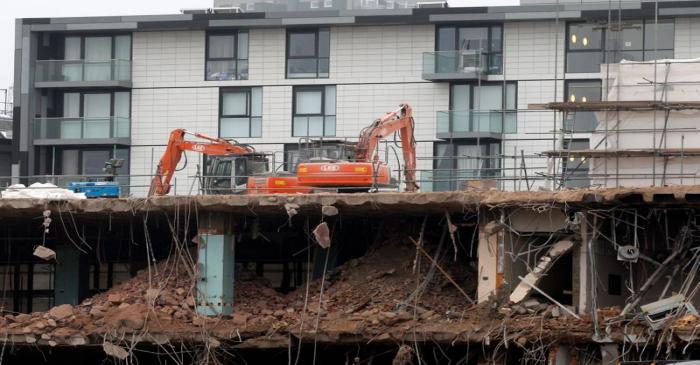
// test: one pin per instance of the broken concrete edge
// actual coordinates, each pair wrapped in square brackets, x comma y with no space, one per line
[259,339]
[418,203]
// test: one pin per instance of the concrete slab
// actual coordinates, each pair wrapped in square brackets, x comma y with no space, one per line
[381,204]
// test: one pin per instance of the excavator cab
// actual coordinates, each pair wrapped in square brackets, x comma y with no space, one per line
[230,174]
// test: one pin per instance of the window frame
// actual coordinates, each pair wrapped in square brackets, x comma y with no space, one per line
[582,168]
[453,160]
[323,115]
[113,44]
[567,97]
[114,151]
[489,41]
[236,40]
[81,108]
[317,56]
[606,55]
[567,48]
[249,110]
[472,87]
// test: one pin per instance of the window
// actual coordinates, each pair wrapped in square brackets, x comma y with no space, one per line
[589,45]
[84,163]
[96,58]
[240,112]
[227,56]
[575,167]
[90,115]
[480,108]
[458,161]
[582,91]
[584,47]
[308,53]
[26,287]
[106,275]
[314,111]
[486,40]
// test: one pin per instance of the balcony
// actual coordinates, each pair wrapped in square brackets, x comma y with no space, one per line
[475,123]
[63,131]
[83,73]
[454,65]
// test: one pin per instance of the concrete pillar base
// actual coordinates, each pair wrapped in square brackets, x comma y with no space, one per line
[216,270]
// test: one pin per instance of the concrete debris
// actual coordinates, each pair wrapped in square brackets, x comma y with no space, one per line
[323,235]
[132,317]
[404,356]
[544,264]
[567,310]
[40,191]
[114,298]
[292,209]
[61,312]
[329,211]
[493,227]
[115,351]
[213,343]
[44,253]
[77,340]
[152,294]
[658,313]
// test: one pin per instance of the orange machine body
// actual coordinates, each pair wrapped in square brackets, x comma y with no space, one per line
[343,174]
[275,184]
[366,171]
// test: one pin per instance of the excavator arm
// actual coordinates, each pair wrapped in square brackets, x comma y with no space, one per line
[177,145]
[400,120]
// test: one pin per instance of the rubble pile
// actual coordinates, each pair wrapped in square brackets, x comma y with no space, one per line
[380,297]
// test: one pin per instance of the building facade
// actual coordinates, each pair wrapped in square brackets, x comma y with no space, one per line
[90,89]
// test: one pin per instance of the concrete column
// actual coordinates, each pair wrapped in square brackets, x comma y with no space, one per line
[72,277]
[490,279]
[215,262]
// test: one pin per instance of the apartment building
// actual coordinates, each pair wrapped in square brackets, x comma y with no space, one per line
[95,88]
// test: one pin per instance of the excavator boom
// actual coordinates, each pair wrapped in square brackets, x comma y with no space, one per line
[177,145]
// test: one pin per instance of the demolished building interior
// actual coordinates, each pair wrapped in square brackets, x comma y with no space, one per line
[460,277]
[593,276]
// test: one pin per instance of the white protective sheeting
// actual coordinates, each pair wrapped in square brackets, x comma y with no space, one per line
[673,81]
[40,191]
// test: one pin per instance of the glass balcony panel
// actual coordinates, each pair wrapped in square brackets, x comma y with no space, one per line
[468,63]
[83,70]
[72,72]
[96,128]
[69,129]
[81,128]
[98,71]
[122,70]
[476,121]
[121,127]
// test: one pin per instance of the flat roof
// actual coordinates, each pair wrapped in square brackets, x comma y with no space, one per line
[483,14]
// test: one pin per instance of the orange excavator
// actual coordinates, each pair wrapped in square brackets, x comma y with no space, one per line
[230,167]
[366,171]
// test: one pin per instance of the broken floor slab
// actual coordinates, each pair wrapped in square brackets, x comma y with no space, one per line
[533,277]
[382,203]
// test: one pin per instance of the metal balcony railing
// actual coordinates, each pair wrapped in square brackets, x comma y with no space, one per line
[476,121]
[83,70]
[81,128]
[464,64]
